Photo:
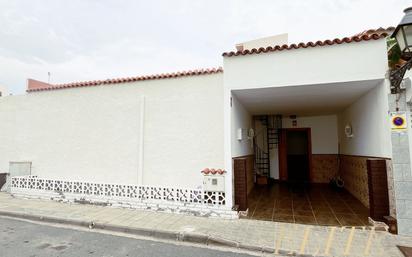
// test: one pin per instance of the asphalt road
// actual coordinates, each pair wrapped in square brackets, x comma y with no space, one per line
[25,239]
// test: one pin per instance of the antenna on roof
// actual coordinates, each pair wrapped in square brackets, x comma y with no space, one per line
[48,77]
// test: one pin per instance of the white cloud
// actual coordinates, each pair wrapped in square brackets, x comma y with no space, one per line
[86,40]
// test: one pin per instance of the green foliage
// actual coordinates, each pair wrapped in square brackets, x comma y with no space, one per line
[394,51]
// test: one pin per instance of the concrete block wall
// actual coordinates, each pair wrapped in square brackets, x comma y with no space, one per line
[401,164]
[391,188]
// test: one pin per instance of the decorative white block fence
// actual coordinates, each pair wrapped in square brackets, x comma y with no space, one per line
[171,199]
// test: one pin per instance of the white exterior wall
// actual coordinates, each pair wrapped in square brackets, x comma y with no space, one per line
[370,123]
[328,64]
[324,132]
[93,133]
[241,119]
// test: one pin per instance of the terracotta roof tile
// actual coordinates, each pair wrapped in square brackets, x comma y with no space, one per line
[208,171]
[363,36]
[34,85]
[378,31]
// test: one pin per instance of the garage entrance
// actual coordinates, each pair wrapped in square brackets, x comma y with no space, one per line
[311,148]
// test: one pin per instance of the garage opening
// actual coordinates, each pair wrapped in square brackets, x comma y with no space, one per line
[311,149]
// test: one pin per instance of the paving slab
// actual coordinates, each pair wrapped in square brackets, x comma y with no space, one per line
[265,236]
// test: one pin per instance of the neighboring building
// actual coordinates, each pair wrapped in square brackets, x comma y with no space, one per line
[307,112]
[3,91]
[279,40]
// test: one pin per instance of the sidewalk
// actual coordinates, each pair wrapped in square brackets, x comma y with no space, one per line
[283,238]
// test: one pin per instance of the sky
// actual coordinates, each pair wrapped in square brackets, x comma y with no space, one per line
[80,40]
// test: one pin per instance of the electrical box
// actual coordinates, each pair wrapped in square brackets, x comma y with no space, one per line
[214,183]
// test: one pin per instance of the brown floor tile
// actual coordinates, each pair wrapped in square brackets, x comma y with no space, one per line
[319,205]
[283,218]
[305,219]
[261,208]
[337,204]
[284,206]
[345,215]
[263,213]
[283,202]
[363,210]
[302,213]
[327,212]
[300,200]
[305,207]
[342,210]
[349,220]
[265,218]
[283,211]
[364,220]
[327,220]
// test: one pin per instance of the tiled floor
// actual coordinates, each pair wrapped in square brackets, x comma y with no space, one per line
[310,204]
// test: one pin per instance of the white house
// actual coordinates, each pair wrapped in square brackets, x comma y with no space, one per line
[218,141]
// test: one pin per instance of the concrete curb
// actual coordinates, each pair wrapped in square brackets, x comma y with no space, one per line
[189,237]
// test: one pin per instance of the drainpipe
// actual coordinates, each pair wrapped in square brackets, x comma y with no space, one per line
[141,141]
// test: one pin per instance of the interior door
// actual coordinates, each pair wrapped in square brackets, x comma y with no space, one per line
[283,153]
[297,155]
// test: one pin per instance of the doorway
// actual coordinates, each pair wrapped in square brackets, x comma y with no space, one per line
[295,155]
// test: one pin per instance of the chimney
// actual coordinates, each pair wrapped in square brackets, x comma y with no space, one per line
[280,39]
[33,85]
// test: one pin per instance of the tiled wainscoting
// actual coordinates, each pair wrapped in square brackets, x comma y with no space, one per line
[391,189]
[324,167]
[354,172]
[249,172]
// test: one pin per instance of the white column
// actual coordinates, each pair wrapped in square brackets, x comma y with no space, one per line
[227,147]
[141,141]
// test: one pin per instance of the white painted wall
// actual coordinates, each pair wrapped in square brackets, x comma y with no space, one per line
[324,132]
[370,123]
[93,133]
[328,64]
[240,118]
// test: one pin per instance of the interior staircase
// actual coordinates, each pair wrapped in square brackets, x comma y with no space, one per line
[268,136]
